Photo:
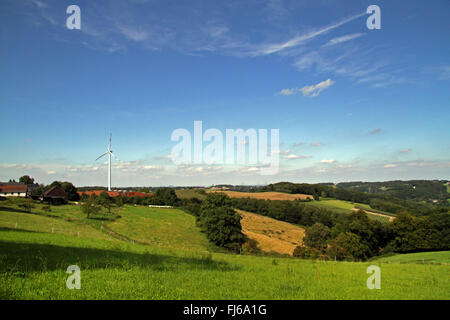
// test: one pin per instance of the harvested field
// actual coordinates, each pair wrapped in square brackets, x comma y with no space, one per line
[266,195]
[272,235]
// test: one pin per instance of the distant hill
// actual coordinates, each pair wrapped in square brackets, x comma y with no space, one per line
[420,197]
[420,190]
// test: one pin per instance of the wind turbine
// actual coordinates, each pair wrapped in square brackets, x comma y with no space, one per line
[109,153]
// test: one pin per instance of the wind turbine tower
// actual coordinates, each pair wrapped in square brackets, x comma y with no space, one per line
[109,153]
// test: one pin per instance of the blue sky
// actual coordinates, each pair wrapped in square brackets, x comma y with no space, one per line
[350,103]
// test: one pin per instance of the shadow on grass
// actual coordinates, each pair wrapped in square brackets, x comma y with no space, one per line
[48,215]
[28,257]
[13,210]
[19,229]
[104,218]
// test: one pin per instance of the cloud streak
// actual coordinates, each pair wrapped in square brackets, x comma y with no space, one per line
[315,90]
[308,91]
[343,39]
[301,39]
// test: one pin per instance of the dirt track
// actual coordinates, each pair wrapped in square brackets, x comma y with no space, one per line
[391,218]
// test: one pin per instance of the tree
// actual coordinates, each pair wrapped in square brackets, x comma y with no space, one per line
[105,201]
[90,207]
[38,191]
[409,233]
[219,221]
[26,180]
[305,252]
[165,196]
[27,205]
[251,246]
[317,236]
[119,201]
[349,245]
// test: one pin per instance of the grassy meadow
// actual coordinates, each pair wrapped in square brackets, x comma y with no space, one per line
[35,253]
[190,193]
[437,257]
[341,206]
[166,227]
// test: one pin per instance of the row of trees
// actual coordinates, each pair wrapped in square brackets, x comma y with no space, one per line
[92,204]
[290,211]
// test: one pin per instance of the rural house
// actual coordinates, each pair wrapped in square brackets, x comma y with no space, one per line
[13,189]
[55,195]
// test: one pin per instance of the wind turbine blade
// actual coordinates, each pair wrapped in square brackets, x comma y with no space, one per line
[114,156]
[102,155]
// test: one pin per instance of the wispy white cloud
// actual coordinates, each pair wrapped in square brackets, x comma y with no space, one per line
[390,165]
[443,71]
[315,90]
[343,39]
[308,91]
[303,38]
[328,161]
[288,151]
[133,33]
[294,156]
[39,4]
[288,92]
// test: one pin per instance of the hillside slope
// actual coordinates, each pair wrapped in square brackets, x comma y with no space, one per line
[272,235]
[164,227]
[33,264]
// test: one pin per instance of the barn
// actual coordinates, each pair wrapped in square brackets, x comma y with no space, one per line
[55,195]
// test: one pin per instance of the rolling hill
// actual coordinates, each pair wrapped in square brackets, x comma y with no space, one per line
[35,253]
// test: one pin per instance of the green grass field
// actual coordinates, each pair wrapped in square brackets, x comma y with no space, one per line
[345,207]
[33,263]
[438,257]
[160,227]
[189,193]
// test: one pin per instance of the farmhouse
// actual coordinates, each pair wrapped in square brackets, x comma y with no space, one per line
[13,190]
[55,195]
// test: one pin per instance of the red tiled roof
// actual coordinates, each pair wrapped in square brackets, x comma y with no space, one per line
[98,192]
[14,188]
[137,194]
[114,194]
